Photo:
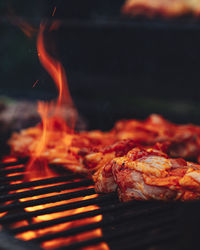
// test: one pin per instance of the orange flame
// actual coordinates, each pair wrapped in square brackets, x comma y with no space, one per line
[24,26]
[50,112]
[55,69]
[55,129]
[54,136]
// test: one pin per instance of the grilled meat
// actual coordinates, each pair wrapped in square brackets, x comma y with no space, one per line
[165,8]
[98,164]
[98,158]
[145,174]
[83,151]
[63,148]
[182,140]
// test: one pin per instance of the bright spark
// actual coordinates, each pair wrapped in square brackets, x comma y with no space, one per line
[54,10]
[35,83]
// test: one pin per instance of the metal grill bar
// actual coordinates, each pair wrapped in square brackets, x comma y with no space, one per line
[128,232]
[25,215]
[8,242]
[45,190]
[51,199]
[11,171]
[12,163]
[109,221]
[8,179]
[156,241]
[36,183]
[61,220]
[113,206]
[165,233]
[129,219]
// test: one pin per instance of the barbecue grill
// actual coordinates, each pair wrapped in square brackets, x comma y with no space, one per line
[131,225]
[117,71]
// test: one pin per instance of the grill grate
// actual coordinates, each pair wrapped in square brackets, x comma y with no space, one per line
[123,225]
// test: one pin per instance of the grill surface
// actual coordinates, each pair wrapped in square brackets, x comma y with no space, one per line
[131,225]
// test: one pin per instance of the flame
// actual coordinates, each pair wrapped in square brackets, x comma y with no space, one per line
[54,137]
[24,26]
[55,69]
[50,112]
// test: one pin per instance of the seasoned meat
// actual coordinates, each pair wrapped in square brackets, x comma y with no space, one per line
[99,157]
[145,174]
[89,151]
[165,8]
[99,164]
[63,148]
[182,140]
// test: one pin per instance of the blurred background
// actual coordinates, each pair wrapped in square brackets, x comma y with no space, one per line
[117,66]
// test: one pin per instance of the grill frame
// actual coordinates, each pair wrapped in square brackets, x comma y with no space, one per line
[146,215]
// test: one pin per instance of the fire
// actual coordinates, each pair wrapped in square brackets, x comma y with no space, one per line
[53,137]
[63,226]
[52,120]
[53,243]
[58,242]
[55,69]
[22,24]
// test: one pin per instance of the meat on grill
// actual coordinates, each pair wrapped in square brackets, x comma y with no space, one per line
[166,8]
[96,161]
[66,149]
[80,151]
[181,140]
[148,173]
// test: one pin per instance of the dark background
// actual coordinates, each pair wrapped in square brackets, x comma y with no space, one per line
[117,67]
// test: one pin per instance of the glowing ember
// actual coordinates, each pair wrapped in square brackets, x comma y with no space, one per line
[35,83]
[58,242]
[54,10]
[63,226]
[9,159]
[59,227]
